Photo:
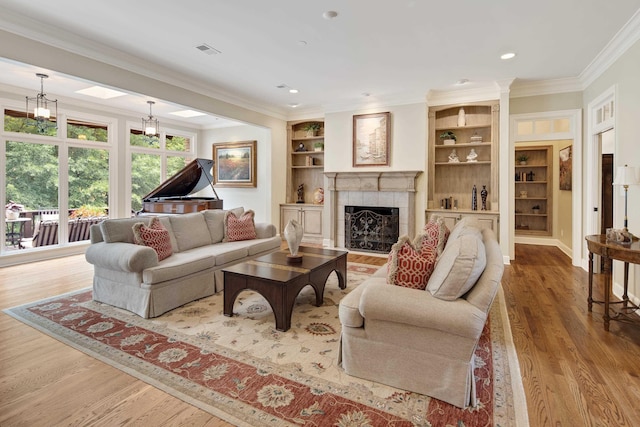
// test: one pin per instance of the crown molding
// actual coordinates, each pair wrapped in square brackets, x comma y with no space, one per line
[482,93]
[521,88]
[628,35]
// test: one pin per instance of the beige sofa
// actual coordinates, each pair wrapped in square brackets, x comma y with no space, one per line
[415,341]
[129,276]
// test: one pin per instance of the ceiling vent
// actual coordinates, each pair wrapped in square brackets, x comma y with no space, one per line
[209,50]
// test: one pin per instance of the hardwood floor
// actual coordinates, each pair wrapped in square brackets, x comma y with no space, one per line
[574,373]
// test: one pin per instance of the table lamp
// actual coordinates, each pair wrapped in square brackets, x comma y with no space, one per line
[626,176]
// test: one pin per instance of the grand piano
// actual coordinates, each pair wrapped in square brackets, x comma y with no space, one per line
[172,196]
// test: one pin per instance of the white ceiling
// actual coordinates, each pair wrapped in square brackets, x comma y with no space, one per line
[397,52]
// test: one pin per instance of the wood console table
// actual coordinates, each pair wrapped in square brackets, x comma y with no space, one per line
[610,251]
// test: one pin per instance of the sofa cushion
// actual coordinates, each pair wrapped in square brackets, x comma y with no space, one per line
[166,222]
[262,245]
[178,266]
[120,229]
[239,228]
[459,267]
[407,266]
[435,234]
[215,222]
[190,230]
[154,236]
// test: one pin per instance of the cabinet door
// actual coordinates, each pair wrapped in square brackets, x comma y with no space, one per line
[312,221]
[287,213]
[488,222]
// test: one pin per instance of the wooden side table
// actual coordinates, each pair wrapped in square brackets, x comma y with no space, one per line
[609,251]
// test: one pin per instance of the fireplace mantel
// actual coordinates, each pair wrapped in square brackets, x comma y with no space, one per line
[386,188]
[373,181]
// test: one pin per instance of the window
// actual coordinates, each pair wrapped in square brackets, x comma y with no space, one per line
[156,159]
[60,175]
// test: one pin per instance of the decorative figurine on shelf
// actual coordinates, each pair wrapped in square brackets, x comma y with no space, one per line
[318,196]
[300,194]
[474,198]
[300,148]
[453,157]
[483,196]
[473,156]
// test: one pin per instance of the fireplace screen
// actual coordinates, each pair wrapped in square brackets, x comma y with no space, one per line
[372,229]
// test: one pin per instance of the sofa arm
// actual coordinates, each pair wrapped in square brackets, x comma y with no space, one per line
[265,230]
[121,256]
[419,308]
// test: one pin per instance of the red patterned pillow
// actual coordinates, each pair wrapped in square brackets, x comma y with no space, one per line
[407,266]
[154,236]
[436,234]
[242,228]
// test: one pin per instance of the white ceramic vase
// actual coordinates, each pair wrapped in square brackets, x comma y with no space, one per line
[293,235]
[462,119]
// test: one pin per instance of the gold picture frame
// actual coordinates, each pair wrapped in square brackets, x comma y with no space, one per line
[371,134]
[235,164]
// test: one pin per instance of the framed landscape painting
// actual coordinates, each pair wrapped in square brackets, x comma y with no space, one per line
[565,168]
[235,164]
[371,134]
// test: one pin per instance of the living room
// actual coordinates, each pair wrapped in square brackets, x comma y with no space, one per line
[612,72]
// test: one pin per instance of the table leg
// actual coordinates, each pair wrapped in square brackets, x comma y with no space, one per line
[590,298]
[607,292]
[625,296]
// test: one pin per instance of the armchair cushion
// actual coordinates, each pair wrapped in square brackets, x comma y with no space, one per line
[459,267]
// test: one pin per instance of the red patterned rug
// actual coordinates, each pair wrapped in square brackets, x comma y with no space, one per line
[244,371]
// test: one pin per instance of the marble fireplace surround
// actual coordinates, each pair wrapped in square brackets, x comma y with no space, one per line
[394,189]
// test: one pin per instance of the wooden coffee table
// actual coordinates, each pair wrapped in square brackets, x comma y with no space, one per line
[280,282]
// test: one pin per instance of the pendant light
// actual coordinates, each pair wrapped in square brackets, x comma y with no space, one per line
[41,111]
[150,125]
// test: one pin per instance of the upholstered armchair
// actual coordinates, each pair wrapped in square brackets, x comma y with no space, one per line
[417,340]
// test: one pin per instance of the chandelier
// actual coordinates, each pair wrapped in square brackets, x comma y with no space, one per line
[41,111]
[150,125]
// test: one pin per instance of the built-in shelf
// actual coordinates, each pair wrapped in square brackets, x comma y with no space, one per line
[455,180]
[535,179]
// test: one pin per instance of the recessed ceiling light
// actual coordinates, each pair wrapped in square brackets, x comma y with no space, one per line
[293,90]
[330,14]
[187,113]
[293,105]
[100,92]
[508,55]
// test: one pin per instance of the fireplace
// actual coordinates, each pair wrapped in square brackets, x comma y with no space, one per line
[394,189]
[371,228]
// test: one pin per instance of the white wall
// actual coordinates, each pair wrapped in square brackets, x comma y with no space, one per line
[259,199]
[624,75]
[408,145]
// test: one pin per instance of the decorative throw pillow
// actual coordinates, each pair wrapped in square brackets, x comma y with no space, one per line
[407,267]
[242,228]
[436,234]
[459,267]
[155,236]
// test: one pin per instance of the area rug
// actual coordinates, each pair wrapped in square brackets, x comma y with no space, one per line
[242,370]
